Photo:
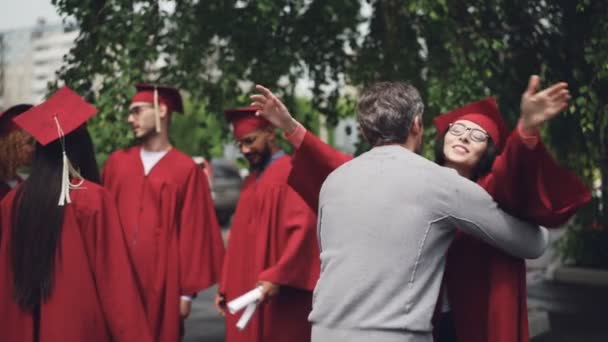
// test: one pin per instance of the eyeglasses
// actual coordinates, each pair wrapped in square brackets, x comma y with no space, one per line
[475,134]
[135,110]
[247,141]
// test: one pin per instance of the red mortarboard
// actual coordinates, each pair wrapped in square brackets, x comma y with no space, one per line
[62,113]
[6,123]
[485,113]
[245,121]
[53,119]
[168,96]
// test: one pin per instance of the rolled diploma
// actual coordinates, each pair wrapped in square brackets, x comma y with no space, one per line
[241,302]
[247,314]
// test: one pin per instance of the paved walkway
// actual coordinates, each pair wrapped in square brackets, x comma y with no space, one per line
[573,313]
[204,324]
[576,313]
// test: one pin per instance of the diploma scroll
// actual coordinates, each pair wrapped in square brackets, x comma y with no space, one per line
[247,314]
[241,302]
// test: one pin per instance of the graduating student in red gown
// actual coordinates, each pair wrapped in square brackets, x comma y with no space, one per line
[272,242]
[65,275]
[485,287]
[16,148]
[167,214]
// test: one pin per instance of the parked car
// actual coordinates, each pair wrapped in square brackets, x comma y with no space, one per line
[225,182]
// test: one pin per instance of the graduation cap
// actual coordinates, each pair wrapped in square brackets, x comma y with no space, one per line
[484,112]
[244,120]
[159,94]
[52,120]
[6,123]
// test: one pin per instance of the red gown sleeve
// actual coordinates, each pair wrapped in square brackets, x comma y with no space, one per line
[201,248]
[530,184]
[311,164]
[120,299]
[299,264]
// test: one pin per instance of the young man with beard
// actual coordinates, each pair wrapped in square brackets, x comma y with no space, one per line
[166,211]
[272,243]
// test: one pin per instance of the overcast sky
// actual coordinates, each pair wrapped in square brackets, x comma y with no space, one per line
[16,14]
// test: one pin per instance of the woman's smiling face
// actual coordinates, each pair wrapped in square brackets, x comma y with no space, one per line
[465,142]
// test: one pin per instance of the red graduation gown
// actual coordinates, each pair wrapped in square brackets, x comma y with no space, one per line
[486,287]
[172,233]
[94,296]
[273,238]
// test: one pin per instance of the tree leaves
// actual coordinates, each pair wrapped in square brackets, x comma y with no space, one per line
[454,52]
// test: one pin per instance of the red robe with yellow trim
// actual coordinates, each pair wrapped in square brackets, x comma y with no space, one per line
[273,238]
[486,287]
[94,296]
[172,233]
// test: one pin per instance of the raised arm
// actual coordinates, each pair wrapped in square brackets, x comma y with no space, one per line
[313,160]
[273,110]
[525,179]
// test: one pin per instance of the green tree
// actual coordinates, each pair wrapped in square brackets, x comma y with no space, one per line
[214,50]
[454,52]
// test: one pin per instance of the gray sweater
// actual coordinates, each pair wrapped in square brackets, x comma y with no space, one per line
[386,220]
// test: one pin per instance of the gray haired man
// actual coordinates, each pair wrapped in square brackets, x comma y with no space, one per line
[385,222]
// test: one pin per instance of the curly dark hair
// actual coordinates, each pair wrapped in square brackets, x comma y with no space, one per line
[14,156]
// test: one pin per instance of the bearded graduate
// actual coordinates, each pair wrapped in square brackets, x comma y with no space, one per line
[272,242]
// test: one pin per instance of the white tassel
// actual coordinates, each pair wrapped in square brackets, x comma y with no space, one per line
[67,170]
[64,197]
[156,112]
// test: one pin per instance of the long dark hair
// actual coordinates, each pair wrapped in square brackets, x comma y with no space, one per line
[483,167]
[37,219]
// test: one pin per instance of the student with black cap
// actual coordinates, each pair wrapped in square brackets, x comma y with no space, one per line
[165,206]
[64,269]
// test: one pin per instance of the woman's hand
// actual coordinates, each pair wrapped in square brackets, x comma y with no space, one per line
[273,110]
[537,107]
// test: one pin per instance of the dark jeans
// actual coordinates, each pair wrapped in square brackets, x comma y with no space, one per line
[447,332]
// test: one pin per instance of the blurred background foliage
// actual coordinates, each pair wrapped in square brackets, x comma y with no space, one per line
[454,52]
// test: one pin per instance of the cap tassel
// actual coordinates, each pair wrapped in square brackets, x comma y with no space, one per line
[156,112]
[67,170]
[64,197]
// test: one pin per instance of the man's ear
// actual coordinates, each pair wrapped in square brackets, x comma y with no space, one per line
[163,110]
[417,125]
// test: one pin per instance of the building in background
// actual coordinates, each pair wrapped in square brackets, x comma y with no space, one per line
[29,60]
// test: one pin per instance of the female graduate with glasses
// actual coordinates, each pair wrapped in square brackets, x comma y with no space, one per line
[484,288]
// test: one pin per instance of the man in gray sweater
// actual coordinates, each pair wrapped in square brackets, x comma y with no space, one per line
[386,220]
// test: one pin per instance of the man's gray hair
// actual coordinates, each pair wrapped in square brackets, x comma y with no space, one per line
[386,111]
